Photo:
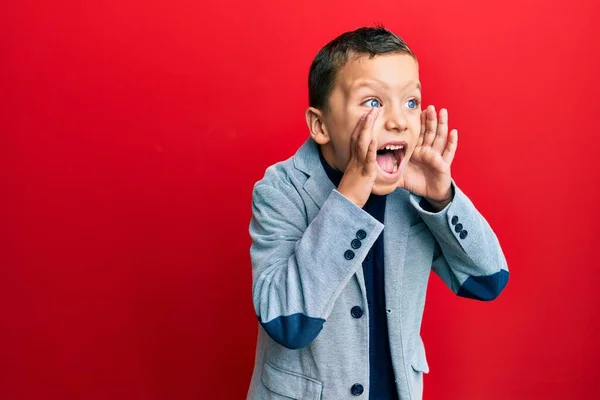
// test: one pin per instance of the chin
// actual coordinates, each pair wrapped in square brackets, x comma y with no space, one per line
[382,189]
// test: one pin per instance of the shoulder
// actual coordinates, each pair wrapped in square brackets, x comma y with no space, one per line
[281,179]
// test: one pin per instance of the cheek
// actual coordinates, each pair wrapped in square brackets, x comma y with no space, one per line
[341,133]
[415,123]
[343,122]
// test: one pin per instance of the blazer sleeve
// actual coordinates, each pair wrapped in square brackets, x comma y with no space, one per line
[467,256]
[300,267]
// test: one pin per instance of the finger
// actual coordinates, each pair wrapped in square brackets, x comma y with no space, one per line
[441,137]
[366,134]
[430,126]
[450,151]
[422,134]
[371,159]
[355,135]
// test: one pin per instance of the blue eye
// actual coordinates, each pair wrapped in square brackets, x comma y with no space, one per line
[412,103]
[373,103]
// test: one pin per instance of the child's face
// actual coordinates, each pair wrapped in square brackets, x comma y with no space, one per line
[390,82]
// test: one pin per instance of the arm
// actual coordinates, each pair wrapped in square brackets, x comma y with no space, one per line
[299,269]
[468,256]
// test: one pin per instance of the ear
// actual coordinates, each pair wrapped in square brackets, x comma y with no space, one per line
[316,125]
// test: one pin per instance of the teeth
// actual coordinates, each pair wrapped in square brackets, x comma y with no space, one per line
[393,147]
[395,168]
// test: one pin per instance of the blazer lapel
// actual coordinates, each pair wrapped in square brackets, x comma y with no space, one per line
[318,186]
[395,239]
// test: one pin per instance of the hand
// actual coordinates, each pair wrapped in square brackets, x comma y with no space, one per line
[361,172]
[427,173]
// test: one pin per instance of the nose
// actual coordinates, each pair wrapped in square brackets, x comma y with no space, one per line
[395,119]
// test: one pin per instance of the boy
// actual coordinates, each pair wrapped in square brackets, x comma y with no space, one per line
[338,298]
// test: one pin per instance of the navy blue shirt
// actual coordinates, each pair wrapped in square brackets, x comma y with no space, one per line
[382,385]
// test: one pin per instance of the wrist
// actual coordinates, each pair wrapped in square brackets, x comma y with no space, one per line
[351,198]
[439,205]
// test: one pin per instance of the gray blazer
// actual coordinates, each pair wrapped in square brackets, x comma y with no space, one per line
[306,277]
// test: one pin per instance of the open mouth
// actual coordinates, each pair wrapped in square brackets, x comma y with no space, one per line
[390,156]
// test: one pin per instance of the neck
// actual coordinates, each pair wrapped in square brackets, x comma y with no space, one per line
[329,155]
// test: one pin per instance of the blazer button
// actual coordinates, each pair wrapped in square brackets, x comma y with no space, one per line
[454,220]
[355,244]
[356,312]
[361,234]
[458,228]
[463,234]
[357,389]
[349,255]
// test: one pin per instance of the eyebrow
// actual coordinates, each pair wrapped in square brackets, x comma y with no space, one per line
[371,82]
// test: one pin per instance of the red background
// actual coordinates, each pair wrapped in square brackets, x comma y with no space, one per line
[132,133]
